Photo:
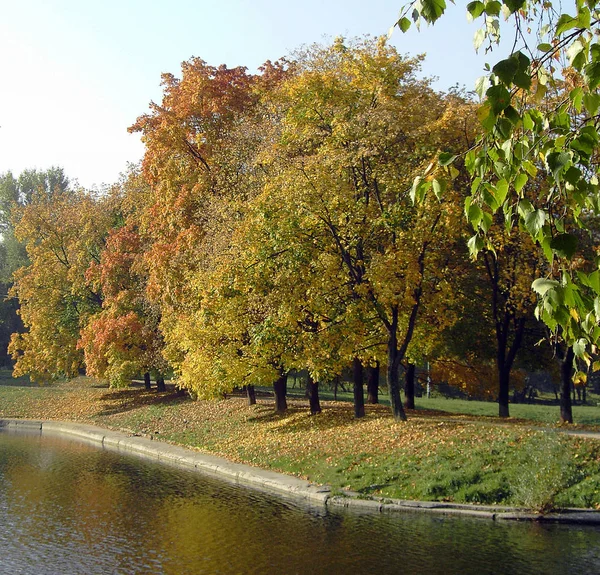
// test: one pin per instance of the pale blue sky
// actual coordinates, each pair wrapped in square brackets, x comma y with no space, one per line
[75,74]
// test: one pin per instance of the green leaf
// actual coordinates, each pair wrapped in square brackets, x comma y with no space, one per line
[520,182]
[528,122]
[522,78]
[404,24]
[530,168]
[479,38]
[492,8]
[574,49]
[592,74]
[548,253]
[556,161]
[501,191]
[579,348]
[504,127]
[524,208]
[431,10]
[576,97]
[591,103]
[565,22]
[438,187]
[475,9]
[514,5]
[446,158]
[542,285]
[512,115]
[594,281]
[506,70]
[499,98]
[474,215]
[486,221]
[475,245]
[544,47]
[534,221]
[584,18]
[564,245]
[481,85]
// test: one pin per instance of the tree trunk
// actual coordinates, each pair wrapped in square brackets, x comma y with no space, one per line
[312,388]
[373,384]
[566,371]
[251,395]
[359,394]
[409,386]
[336,382]
[147,382]
[394,379]
[503,388]
[280,390]
[160,383]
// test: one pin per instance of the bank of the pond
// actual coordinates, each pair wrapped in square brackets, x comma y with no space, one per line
[282,484]
[437,458]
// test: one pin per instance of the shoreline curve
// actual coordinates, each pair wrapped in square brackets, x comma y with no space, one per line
[279,483]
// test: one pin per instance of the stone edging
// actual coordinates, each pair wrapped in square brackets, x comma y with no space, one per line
[280,483]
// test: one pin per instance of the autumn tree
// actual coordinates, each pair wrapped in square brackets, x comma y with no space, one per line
[199,164]
[357,127]
[14,194]
[63,230]
[123,338]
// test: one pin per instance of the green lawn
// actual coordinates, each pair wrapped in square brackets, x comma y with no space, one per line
[588,414]
[549,414]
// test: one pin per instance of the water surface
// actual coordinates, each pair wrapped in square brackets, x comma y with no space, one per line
[68,507]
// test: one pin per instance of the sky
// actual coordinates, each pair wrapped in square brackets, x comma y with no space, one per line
[75,74]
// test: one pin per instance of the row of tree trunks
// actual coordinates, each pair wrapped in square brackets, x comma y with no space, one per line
[160,382]
[373,373]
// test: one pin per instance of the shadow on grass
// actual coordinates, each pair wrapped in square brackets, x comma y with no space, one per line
[23,381]
[124,400]
[333,415]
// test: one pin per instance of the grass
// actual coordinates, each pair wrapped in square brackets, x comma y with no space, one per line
[434,456]
[547,414]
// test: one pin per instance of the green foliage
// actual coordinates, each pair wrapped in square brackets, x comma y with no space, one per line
[539,122]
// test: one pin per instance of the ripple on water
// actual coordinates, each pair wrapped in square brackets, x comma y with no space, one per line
[76,509]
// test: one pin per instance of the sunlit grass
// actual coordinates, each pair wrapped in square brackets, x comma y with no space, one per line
[436,455]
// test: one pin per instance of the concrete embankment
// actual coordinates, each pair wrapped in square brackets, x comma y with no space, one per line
[280,483]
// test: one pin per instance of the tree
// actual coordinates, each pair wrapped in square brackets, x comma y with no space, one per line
[14,194]
[62,232]
[123,339]
[523,121]
[357,126]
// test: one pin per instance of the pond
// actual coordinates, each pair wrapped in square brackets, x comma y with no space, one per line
[69,507]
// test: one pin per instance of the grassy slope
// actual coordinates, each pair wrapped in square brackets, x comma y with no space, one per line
[433,456]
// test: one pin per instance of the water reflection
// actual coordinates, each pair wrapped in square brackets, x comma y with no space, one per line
[72,508]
